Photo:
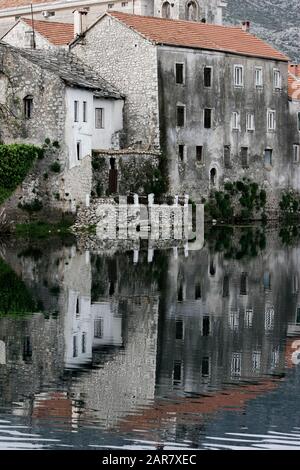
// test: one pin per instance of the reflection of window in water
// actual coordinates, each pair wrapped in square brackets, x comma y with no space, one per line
[298,316]
[180,293]
[98,328]
[226,286]
[177,372]
[248,321]
[269,318]
[77,308]
[234,319]
[179,329]
[267,281]
[236,364]
[83,343]
[198,291]
[75,348]
[206,326]
[244,284]
[205,367]
[275,358]
[295,284]
[256,360]
[212,267]
[27,348]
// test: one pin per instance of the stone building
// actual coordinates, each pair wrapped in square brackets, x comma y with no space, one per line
[63,10]
[213,99]
[294,127]
[53,97]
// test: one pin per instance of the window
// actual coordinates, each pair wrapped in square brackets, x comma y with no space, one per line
[75,347]
[98,328]
[181,152]
[77,311]
[84,112]
[27,348]
[199,153]
[30,39]
[110,5]
[276,79]
[191,11]
[244,284]
[258,77]
[180,117]
[296,149]
[298,316]
[78,150]
[99,118]
[256,357]
[207,118]
[244,157]
[124,4]
[213,183]
[180,293]
[267,281]
[268,157]
[235,121]
[248,321]
[166,10]
[236,364]
[205,367]
[271,120]
[28,106]
[83,343]
[179,72]
[197,291]
[269,318]
[234,319]
[50,13]
[250,122]
[208,77]
[226,286]
[179,329]
[238,75]
[206,326]
[298,121]
[76,108]
[177,372]
[227,156]
[295,284]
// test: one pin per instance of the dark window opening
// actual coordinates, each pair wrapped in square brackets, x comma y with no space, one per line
[84,111]
[205,326]
[227,156]
[78,150]
[181,152]
[180,116]
[27,349]
[298,316]
[83,343]
[207,77]
[77,308]
[98,328]
[177,372]
[212,267]
[179,74]
[213,177]
[226,286]
[205,367]
[179,329]
[112,163]
[28,107]
[76,106]
[180,293]
[298,121]
[199,153]
[207,118]
[244,284]
[198,291]
[244,157]
[75,348]
[166,10]
[268,157]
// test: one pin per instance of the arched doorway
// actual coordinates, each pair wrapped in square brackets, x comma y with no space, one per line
[213,177]
[191,12]
[166,10]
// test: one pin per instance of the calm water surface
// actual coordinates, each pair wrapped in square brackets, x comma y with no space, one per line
[115,349]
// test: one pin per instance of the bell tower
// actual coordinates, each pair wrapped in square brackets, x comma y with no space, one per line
[206,11]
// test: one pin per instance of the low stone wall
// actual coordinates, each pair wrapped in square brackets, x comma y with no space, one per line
[137,171]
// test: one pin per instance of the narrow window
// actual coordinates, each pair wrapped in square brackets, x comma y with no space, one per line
[244,284]
[212,267]
[250,122]
[296,149]
[27,348]
[227,156]
[269,318]
[268,157]
[166,10]
[271,118]
[28,106]
[206,326]
[207,118]
[199,153]
[298,121]
[77,308]
[234,319]
[98,328]
[235,122]
[75,347]
[179,329]
[181,152]
[177,372]
[180,118]
[244,157]
[179,70]
[256,360]
[83,343]
[180,293]
[207,77]
[295,284]
[248,320]
[78,150]
[298,316]
[213,177]
[226,286]
[267,281]
[277,79]
[238,75]
[84,111]
[198,291]
[205,367]
[76,109]
[99,118]
[258,77]
[236,364]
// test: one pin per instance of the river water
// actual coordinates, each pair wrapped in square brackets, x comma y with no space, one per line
[110,348]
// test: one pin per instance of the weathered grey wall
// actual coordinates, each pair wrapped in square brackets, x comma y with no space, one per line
[192,177]
[129,62]
[294,138]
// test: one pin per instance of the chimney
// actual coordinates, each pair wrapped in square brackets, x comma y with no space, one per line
[246,26]
[79,19]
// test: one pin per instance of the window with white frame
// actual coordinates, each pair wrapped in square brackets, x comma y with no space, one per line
[248,319]
[235,121]
[238,75]
[271,119]
[250,122]
[236,364]
[276,79]
[259,77]
[296,150]
[234,319]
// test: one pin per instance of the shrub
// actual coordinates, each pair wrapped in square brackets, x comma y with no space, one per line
[55,167]
[34,206]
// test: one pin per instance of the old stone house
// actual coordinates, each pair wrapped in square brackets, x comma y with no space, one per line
[62,11]
[53,97]
[213,99]
[294,123]
[42,35]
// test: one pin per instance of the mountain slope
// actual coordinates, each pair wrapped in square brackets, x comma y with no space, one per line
[276,21]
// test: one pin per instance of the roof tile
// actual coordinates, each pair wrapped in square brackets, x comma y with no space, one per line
[58,34]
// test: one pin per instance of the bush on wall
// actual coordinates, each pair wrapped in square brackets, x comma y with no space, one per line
[15,162]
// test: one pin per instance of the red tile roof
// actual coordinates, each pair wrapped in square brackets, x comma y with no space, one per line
[5,4]
[294,82]
[199,35]
[58,34]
